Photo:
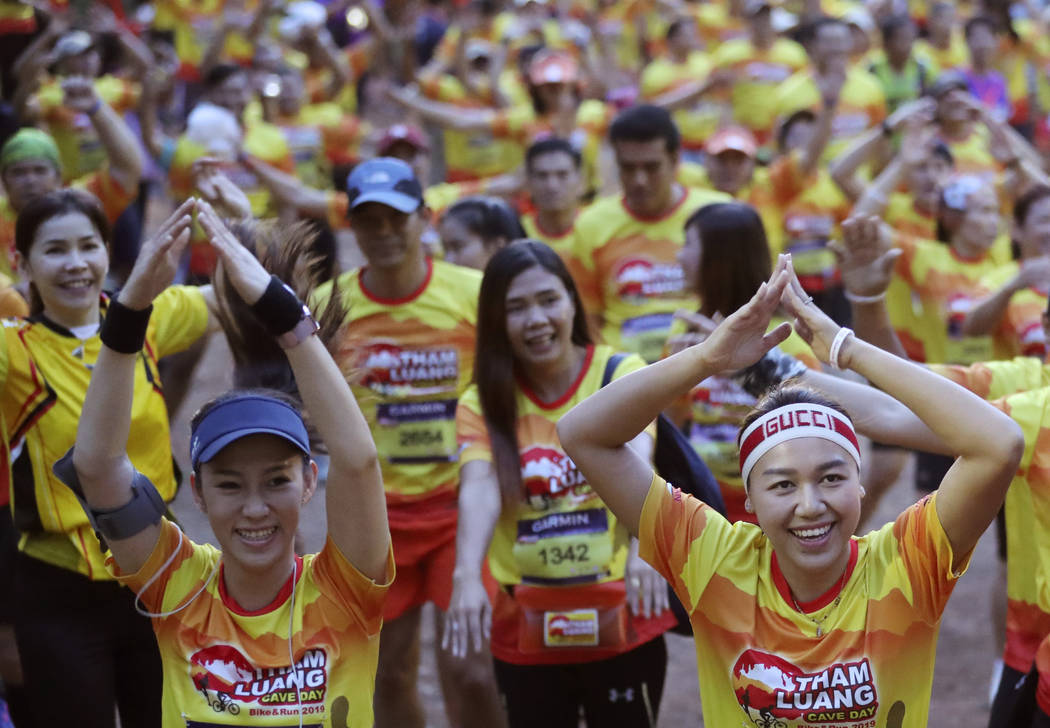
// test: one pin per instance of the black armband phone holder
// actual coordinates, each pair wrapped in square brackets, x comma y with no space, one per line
[145,508]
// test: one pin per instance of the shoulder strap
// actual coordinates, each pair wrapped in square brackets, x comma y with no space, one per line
[610,367]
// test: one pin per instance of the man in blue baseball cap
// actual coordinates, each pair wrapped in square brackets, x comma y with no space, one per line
[408,339]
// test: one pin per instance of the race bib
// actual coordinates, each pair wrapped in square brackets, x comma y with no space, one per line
[417,432]
[564,548]
[646,335]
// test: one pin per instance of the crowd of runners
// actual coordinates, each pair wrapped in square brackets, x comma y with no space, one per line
[589,320]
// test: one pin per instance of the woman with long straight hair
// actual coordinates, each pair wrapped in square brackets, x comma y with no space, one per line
[796,617]
[578,620]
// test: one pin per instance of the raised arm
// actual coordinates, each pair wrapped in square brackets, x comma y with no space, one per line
[442,114]
[122,148]
[288,189]
[355,501]
[595,433]
[100,454]
[985,316]
[987,443]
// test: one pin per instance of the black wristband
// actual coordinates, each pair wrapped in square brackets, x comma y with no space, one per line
[279,310]
[124,329]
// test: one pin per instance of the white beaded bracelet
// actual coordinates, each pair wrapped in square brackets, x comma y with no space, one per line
[855,298]
[836,346]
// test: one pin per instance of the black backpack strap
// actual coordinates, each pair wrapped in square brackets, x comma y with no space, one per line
[610,367]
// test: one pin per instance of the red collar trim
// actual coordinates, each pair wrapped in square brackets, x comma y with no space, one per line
[587,358]
[555,235]
[662,216]
[397,301]
[964,259]
[824,599]
[282,596]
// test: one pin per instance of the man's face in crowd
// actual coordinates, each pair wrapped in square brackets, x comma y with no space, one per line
[26,180]
[647,173]
[233,94]
[553,180]
[831,47]
[388,238]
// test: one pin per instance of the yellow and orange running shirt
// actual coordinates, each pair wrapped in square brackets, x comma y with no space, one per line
[193,22]
[1020,331]
[761,660]
[758,74]
[948,286]
[560,537]
[319,136]
[1019,388]
[701,120]
[44,375]
[228,666]
[407,361]
[954,57]
[561,243]
[862,105]
[79,147]
[809,209]
[631,276]
[474,155]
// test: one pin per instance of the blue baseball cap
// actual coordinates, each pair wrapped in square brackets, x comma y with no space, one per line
[386,180]
[250,414]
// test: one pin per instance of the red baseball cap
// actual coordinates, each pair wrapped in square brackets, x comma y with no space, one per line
[409,133]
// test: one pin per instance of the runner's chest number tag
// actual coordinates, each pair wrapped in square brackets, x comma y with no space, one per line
[417,432]
[572,628]
[561,548]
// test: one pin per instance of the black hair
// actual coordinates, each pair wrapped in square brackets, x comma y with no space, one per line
[55,204]
[808,33]
[644,123]
[1025,202]
[490,218]
[979,20]
[940,149]
[676,25]
[734,257]
[494,364]
[550,145]
[802,115]
[889,26]
[219,74]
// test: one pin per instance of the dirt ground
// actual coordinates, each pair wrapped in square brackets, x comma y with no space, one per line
[964,656]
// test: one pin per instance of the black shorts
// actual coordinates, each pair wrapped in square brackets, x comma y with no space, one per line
[8,551]
[622,691]
[1014,705]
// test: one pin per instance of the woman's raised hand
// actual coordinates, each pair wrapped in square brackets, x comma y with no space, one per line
[158,259]
[866,257]
[244,270]
[741,339]
[219,190]
[814,326]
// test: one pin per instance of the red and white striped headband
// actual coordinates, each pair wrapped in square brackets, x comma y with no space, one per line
[793,421]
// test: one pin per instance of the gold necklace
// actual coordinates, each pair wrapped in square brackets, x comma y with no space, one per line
[818,622]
